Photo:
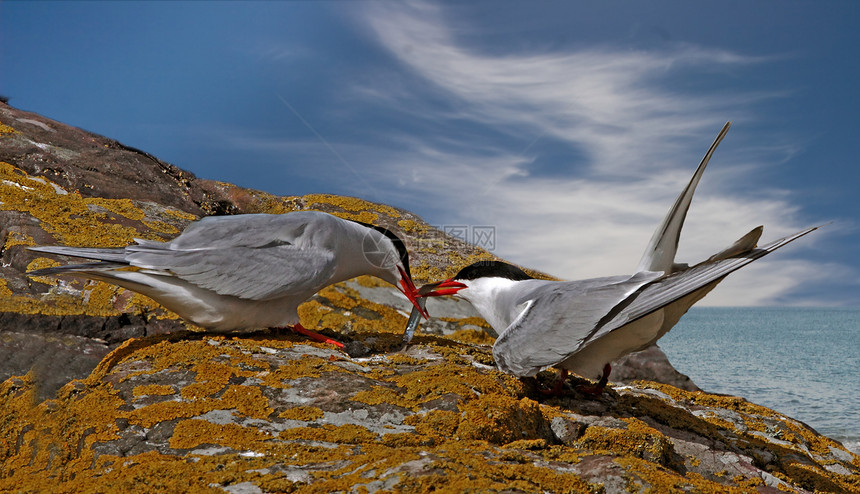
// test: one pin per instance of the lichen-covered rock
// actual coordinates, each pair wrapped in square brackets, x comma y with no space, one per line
[273,413]
[157,405]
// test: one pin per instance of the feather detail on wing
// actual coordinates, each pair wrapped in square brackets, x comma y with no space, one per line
[250,273]
[542,334]
[255,257]
[665,291]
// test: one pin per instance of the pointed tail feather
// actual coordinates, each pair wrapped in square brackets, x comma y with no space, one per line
[743,244]
[116,255]
[673,287]
[660,254]
[79,269]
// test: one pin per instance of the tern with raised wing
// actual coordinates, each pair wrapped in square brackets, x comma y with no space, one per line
[247,272]
[582,326]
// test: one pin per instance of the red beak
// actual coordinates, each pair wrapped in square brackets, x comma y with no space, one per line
[438,289]
[411,292]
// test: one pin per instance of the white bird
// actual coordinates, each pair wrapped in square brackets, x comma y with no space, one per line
[247,272]
[582,326]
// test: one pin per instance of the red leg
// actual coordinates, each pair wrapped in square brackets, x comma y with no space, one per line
[298,328]
[559,386]
[598,388]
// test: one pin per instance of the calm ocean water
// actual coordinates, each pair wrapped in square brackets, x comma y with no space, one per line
[803,362]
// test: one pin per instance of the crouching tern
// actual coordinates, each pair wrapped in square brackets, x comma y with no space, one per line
[582,326]
[247,272]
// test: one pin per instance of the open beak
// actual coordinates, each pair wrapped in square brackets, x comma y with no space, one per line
[440,288]
[412,293]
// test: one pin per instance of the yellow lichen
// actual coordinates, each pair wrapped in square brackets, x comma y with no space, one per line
[17,238]
[501,419]
[182,215]
[194,433]
[352,204]
[303,413]
[122,207]
[153,390]
[472,337]
[344,434]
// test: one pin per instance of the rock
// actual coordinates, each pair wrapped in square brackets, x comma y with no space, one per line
[275,413]
[146,401]
[650,364]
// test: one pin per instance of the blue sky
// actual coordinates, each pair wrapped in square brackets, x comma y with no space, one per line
[569,126]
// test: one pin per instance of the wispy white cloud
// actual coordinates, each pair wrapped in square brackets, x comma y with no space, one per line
[633,145]
[640,144]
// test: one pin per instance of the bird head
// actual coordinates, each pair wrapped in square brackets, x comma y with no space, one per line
[387,253]
[472,275]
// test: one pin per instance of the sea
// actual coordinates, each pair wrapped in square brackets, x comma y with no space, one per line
[802,362]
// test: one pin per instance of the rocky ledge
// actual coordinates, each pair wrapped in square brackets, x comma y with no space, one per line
[148,403]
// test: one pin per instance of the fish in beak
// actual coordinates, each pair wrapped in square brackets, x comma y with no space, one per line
[438,289]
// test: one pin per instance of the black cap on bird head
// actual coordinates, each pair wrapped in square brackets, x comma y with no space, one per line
[491,269]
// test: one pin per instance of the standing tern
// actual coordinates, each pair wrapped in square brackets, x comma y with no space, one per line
[247,272]
[582,326]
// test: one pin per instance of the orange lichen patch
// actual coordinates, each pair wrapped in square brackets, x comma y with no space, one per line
[413,227]
[652,447]
[69,217]
[122,207]
[161,227]
[353,204]
[403,359]
[344,434]
[747,482]
[530,444]
[817,479]
[433,382]
[472,337]
[314,314]
[61,304]
[246,400]
[153,390]
[307,366]
[182,215]
[42,263]
[371,282]
[193,433]
[18,238]
[467,468]
[468,321]
[5,292]
[6,129]
[800,434]
[400,440]
[659,479]
[752,415]
[501,419]
[163,353]
[211,378]
[434,423]
[303,413]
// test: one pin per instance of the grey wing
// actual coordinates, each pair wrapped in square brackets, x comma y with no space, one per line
[253,256]
[245,272]
[671,288]
[251,230]
[559,319]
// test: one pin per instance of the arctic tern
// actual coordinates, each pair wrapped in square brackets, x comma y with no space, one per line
[582,326]
[247,272]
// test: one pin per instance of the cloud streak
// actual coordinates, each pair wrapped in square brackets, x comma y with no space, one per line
[638,143]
